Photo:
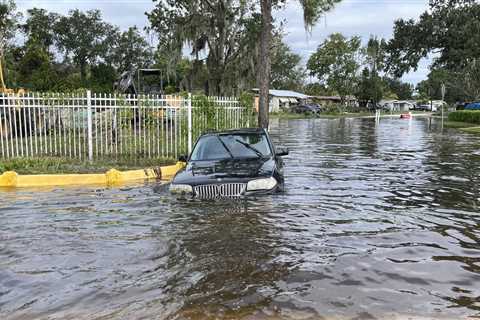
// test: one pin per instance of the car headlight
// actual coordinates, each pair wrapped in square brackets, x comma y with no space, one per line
[262,184]
[181,188]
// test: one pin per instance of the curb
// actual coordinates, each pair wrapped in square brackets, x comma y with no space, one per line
[112,177]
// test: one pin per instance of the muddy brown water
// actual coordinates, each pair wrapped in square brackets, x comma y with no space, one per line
[378,221]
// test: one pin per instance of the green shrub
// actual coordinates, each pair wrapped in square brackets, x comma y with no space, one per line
[470,116]
[57,165]
[337,108]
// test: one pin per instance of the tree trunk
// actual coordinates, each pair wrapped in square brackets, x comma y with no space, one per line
[2,83]
[215,75]
[83,72]
[214,86]
[264,63]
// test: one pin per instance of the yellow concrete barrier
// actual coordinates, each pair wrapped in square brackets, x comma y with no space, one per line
[112,177]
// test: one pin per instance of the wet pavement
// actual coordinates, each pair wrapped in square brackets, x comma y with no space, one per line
[378,221]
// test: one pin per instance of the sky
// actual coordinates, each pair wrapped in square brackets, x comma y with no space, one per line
[350,17]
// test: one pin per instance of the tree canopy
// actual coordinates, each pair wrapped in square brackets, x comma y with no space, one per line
[79,49]
[450,30]
[218,47]
[225,31]
[370,88]
[335,63]
[9,20]
[66,52]
[131,51]
[38,28]
[287,72]
[84,37]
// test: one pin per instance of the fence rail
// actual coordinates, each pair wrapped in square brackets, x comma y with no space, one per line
[97,126]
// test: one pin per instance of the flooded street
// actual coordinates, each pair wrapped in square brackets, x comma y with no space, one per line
[377,221]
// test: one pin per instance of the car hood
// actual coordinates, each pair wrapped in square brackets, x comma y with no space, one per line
[227,170]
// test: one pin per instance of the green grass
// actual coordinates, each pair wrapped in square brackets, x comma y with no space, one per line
[475,130]
[469,116]
[463,126]
[51,165]
[458,124]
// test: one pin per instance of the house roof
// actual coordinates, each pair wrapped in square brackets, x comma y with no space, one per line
[335,98]
[286,93]
[234,131]
[395,101]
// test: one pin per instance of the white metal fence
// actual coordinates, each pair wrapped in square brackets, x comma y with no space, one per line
[98,126]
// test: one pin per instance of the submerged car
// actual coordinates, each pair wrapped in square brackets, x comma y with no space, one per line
[233,163]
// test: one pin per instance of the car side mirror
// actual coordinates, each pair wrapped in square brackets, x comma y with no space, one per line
[282,152]
[183,158]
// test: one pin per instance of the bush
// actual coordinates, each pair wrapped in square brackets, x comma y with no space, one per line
[58,165]
[336,108]
[470,116]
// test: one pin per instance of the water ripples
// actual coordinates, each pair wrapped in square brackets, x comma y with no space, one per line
[378,221]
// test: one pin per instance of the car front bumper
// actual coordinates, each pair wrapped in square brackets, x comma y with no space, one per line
[226,191]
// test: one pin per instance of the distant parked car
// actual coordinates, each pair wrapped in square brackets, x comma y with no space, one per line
[311,108]
[423,107]
[473,106]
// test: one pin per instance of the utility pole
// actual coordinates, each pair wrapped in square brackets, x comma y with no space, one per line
[443,100]
[431,99]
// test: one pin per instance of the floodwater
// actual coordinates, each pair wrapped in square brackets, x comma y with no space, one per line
[378,221]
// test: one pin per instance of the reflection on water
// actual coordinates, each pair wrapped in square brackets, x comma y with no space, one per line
[377,221]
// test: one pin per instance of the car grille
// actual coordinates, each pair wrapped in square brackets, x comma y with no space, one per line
[226,190]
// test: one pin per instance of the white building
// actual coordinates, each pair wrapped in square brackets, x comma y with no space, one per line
[436,105]
[282,100]
[397,105]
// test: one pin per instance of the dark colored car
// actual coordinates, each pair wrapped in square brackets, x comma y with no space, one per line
[307,108]
[232,163]
[423,107]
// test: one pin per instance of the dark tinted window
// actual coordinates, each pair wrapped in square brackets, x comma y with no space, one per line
[225,146]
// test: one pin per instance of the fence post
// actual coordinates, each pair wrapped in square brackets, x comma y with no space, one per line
[89,125]
[189,116]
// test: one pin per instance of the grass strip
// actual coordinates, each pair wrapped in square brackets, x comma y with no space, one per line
[54,165]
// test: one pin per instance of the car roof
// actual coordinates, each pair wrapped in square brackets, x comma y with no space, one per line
[235,131]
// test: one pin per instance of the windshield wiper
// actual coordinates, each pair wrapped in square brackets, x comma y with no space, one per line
[249,146]
[225,146]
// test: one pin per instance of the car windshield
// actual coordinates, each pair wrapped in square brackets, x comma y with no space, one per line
[224,146]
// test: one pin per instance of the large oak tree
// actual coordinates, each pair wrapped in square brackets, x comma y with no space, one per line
[38,28]
[237,36]
[450,30]
[130,51]
[84,37]
[336,63]
[222,33]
